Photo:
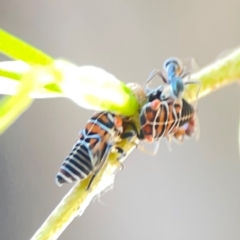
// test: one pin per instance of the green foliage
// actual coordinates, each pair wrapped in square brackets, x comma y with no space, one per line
[17,49]
[36,74]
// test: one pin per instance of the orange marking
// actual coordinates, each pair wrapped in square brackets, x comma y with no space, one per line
[155,104]
[179,134]
[118,121]
[149,138]
[104,118]
[191,127]
[150,116]
[161,121]
[148,129]
[93,128]
[93,141]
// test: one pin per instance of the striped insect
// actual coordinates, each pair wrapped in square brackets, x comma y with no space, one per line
[166,119]
[90,152]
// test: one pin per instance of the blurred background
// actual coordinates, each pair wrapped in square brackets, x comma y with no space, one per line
[191,193]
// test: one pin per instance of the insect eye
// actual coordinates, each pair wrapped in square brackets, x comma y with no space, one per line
[174,62]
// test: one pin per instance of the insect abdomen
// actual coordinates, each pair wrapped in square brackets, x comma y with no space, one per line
[77,165]
[161,118]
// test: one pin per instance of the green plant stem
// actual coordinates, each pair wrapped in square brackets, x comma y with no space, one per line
[89,87]
[217,75]
[17,49]
[11,73]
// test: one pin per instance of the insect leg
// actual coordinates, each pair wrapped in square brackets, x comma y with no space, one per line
[153,74]
[151,153]
[122,156]
[185,74]
[168,142]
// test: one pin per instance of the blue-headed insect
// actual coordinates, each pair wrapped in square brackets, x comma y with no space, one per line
[175,76]
[92,148]
[167,113]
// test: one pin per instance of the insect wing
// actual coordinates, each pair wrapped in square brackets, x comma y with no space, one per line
[99,165]
[90,149]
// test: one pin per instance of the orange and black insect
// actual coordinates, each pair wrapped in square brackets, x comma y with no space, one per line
[167,115]
[90,152]
[167,118]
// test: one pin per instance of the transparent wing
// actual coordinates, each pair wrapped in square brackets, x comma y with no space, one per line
[226,53]
[101,160]
[190,64]
[99,164]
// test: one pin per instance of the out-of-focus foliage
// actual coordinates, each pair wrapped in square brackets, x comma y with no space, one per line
[36,74]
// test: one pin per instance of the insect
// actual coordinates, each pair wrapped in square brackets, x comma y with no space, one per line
[167,113]
[175,76]
[90,152]
[167,118]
